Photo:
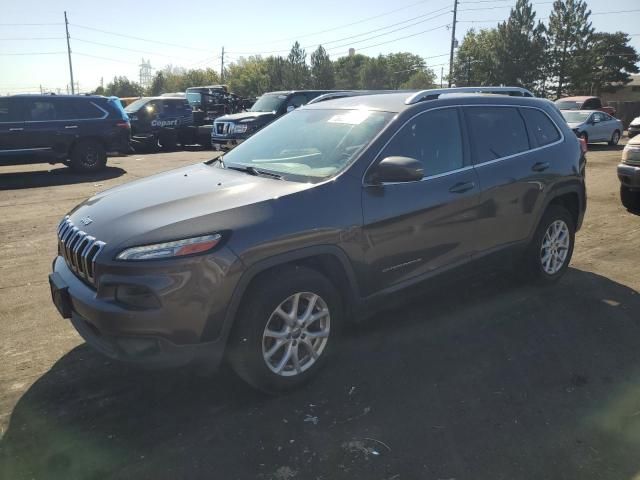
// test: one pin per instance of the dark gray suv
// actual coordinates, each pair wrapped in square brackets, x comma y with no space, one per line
[261,255]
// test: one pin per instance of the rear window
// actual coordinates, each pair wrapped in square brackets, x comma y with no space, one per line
[87,110]
[496,132]
[543,129]
[8,111]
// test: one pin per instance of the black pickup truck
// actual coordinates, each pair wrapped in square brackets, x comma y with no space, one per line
[229,130]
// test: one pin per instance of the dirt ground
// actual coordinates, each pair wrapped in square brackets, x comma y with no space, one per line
[486,380]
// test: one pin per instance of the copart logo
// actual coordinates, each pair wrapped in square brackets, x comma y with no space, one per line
[164,123]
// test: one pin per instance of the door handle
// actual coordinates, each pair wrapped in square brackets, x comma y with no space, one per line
[17,129]
[540,166]
[462,187]
[71,126]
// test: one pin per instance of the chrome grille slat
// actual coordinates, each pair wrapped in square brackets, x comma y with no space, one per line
[79,249]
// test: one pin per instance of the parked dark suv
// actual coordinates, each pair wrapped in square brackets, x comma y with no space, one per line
[262,254]
[76,130]
[230,130]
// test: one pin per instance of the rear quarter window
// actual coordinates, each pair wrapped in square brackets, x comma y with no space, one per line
[496,132]
[541,127]
[87,110]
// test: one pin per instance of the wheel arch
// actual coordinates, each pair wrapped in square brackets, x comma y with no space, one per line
[329,260]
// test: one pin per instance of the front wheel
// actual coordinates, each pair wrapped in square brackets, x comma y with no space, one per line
[547,257]
[615,138]
[286,330]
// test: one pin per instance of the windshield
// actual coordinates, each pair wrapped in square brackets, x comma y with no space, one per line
[576,116]
[135,106]
[568,105]
[268,103]
[310,145]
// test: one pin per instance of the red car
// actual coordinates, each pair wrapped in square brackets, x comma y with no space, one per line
[584,103]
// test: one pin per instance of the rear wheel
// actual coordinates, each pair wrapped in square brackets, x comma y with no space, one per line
[615,138]
[630,199]
[285,332]
[168,139]
[88,156]
[548,256]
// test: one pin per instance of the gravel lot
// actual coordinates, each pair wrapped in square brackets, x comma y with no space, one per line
[485,380]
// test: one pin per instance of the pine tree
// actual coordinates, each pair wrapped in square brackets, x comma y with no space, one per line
[322,72]
[297,72]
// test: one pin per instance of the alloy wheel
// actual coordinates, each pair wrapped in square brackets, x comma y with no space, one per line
[296,334]
[555,247]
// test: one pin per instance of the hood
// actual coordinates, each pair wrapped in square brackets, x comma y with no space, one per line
[635,141]
[189,201]
[635,122]
[248,116]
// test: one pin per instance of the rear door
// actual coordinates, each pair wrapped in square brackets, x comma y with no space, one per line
[414,228]
[510,168]
[12,135]
[601,128]
[41,128]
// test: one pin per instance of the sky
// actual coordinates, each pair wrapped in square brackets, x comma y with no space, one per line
[33,49]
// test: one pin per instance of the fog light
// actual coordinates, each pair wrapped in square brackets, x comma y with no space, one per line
[136,296]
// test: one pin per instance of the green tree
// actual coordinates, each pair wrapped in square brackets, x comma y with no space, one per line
[158,86]
[322,73]
[569,36]
[420,80]
[123,87]
[297,72]
[347,71]
[275,68]
[520,48]
[475,62]
[401,66]
[611,61]
[374,74]
[248,76]
[99,91]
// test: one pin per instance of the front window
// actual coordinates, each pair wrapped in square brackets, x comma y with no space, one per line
[194,98]
[576,117]
[268,103]
[309,145]
[568,105]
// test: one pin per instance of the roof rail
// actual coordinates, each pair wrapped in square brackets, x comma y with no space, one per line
[434,93]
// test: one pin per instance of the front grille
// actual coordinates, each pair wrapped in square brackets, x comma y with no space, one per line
[222,128]
[78,249]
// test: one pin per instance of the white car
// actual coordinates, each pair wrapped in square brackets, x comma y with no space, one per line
[634,127]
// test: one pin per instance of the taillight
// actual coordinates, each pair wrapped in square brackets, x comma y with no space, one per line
[123,125]
[583,145]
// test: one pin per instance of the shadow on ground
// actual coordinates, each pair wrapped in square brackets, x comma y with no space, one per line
[55,176]
[603,147]
[480,379]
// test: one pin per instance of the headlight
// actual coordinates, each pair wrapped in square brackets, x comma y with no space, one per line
[179,248]
[240,128]
[632,148]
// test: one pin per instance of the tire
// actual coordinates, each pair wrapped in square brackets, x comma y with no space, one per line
[554,221]
[88,156]
[630,199]
[615,138]
[266,362]
[168,140]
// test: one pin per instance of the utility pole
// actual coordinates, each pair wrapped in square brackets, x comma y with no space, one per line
[222,67]
[66,26]
[441,75]
[453,39]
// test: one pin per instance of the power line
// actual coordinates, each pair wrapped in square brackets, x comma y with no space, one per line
[32,53]
[496,7]
[105,58]
[387,33]
[361,34]
[123,48]
[28,24]
[140,38]
[25,39]
[357,22]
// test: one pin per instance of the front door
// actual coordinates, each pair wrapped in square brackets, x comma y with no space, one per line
[12,135]
[415,228]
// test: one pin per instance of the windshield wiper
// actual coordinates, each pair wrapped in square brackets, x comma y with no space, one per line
[254,171]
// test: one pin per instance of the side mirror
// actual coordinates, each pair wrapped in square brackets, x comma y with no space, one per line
[396,170]
[595,120]
[290,108]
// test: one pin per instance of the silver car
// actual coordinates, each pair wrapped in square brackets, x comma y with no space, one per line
[594,125]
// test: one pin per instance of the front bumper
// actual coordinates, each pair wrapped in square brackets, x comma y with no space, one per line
[633,130]
[629,176]
[182,327]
